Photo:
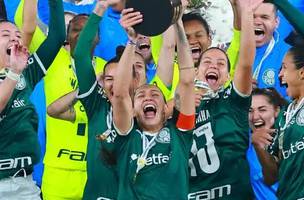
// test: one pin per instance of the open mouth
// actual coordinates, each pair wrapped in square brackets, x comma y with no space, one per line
[196,52]
[259,124]
[283,83]
[211,78]
[150,110]
[144,46]
[259,33]
[8,51]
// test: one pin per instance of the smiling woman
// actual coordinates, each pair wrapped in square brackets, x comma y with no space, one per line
[265,107]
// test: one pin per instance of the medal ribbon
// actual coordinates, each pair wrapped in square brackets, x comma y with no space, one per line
[146,146]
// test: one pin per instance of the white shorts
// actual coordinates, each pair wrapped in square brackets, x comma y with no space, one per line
[19,188]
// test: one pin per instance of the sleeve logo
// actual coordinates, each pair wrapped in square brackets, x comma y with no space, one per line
[21,84]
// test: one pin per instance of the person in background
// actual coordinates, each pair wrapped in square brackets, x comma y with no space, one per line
[284,161]
[270,47]
[109,26]
[265,107]
[198,35]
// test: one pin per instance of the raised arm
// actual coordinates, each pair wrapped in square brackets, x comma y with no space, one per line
[184,97]
[29,21]
[121,101]
[41,60]
[166,57]
[292,14]
[63,108]
[56,35]
[83,59]
[234,47]
[243,73]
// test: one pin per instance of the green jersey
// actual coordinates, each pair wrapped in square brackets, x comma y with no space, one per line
[102,179]
[289,147]
[218,165]
[19,147]
[153,166]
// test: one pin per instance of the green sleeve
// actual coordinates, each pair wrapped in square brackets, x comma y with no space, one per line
[292,14]
[56,35]
[88,92]
[48,50]
[233,51]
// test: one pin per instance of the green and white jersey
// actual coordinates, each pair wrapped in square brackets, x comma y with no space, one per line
[102,182]
[19,147]
[291,177]
[164,173]
[218,165]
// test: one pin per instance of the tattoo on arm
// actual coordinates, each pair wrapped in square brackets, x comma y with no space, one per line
[177,101]
[181,35]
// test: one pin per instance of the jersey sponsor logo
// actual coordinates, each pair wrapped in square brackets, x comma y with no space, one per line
[294,148]
[21,83]
[163,136]
[12,163]
[269,77]
[72,155]
[202,116]
[300,118]
[154,159]
[17,103]
[213,193]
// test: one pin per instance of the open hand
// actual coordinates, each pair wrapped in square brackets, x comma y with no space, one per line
[248,4]
[18,58]
[130,18]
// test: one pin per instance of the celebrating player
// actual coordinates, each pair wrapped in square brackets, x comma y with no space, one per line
[152,153]
[218,155]
[18,120]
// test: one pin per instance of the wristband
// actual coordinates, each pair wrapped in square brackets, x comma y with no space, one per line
[13,76]
[132,42]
